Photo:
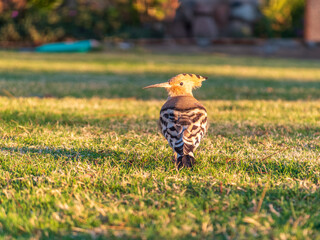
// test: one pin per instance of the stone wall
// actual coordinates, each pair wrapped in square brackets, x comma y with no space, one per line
[210,19]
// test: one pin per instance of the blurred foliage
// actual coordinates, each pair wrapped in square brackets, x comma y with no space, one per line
[41,21]
[281,18]
[157,9]
[43,4]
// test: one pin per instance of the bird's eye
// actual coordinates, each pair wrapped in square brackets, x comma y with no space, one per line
[181,83]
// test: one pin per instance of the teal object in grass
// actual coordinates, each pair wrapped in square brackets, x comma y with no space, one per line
[79,46]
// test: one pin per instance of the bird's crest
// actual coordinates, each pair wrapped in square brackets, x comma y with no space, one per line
[180,85]
[193,79]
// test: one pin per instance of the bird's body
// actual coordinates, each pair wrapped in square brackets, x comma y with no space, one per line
[183,120]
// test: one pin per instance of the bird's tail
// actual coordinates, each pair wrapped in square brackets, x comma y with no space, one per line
[186,161]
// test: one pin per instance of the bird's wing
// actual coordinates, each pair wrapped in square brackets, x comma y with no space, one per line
[183,129]
[196,130]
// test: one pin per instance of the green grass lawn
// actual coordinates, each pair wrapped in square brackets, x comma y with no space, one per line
[81,156]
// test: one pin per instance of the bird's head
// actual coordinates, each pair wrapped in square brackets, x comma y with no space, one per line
[180,85]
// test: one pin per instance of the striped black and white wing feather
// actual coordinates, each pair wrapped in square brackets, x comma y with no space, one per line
[183,125]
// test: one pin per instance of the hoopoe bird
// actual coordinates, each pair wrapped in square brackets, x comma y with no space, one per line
[183,120]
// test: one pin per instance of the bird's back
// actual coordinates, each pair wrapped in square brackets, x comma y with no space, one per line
[183,122]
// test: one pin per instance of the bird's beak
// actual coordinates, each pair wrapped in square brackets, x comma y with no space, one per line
[161,85]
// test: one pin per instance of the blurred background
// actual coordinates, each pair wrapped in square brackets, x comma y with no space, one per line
[79,148]
[249,49]
[127,23]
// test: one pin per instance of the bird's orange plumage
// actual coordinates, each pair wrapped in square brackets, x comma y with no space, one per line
[190,82]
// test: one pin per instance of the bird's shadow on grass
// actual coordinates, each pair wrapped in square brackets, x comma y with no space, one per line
[125,160]
[132,159]
[301,170]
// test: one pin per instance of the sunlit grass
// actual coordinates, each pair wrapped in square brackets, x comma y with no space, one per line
[86,166]
[156,64]
[110,75]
